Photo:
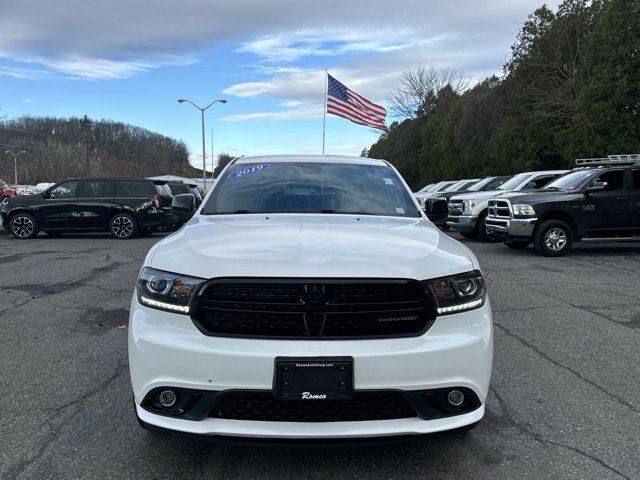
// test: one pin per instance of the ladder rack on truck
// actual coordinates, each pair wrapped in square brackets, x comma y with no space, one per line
[632,159]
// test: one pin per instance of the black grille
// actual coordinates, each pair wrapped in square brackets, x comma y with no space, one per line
[290,308]
[438,206]
[263,406]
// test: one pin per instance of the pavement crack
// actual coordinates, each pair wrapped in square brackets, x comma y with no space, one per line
[56,422]
[527,344]
[545,441]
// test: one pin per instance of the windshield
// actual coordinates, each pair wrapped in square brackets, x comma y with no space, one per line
[515,181]
[479,186]
[454,186]
[570,181]
[178,188]
[309,187]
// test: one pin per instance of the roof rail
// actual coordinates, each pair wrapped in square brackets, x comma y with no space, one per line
[632,159]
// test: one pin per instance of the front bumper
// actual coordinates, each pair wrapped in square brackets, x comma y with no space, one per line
[166,349]
[462,223]
[510,227]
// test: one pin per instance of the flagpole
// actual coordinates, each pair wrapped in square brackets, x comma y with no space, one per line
[324,113]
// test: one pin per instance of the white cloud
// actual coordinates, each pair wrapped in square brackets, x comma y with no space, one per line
[122,38]
[304,113]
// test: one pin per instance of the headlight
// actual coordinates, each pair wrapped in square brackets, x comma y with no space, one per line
[457,293]
[523,210]
[422,201]
[469,205]
[166,291]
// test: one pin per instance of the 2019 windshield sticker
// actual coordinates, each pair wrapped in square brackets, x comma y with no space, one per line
[248,170]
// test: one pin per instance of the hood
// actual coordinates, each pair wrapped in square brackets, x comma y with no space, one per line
[476,195]
[531,197]
[21,200]
[291,245]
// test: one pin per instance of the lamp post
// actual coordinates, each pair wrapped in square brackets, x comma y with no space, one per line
[204,158]
[15,165]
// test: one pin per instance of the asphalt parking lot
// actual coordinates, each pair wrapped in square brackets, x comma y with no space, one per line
[564,401]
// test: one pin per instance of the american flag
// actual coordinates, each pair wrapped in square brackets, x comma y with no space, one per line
[348,104]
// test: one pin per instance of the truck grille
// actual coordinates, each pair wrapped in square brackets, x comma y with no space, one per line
[263,406]
[499,208]
[437,206]
[318,308]
[456,207]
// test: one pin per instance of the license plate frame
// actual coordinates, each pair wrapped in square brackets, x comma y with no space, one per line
[313,378]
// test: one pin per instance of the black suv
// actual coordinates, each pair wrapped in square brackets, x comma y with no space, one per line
[126,207]
[599,202]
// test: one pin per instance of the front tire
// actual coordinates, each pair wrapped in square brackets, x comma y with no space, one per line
[23,226]
[123,226]
[552,238]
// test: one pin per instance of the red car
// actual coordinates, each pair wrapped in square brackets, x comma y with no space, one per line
[6,191]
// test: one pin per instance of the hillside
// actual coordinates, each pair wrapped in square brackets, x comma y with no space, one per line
[59,148]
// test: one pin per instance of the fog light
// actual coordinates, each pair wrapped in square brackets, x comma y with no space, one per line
[168,398]
[455,397]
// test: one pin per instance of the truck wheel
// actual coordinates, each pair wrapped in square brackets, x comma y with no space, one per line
[482,231]
[552,238]
[517,244]
[123,226]
[23,226]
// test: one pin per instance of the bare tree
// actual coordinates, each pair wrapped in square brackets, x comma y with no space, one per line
[419,88]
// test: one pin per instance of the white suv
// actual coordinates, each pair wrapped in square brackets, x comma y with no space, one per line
[309,298]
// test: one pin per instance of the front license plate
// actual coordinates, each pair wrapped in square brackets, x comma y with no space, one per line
[319,378]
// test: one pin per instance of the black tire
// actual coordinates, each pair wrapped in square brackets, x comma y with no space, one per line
[123,226]
[469,235]
[552,238]
[482,233]
[517,244]
[23,226]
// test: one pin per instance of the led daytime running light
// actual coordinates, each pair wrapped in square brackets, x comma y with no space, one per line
[461,307]
[164,305]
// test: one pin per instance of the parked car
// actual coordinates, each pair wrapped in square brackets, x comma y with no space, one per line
[178,188]
[438,187]
[436,205]
[586,203]
[6,191]
[124,206]
[468,212]
[309,298]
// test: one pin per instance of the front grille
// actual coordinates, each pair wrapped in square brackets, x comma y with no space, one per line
[292,308]
[456,207]
[263,406]
[438,207]
[499,208]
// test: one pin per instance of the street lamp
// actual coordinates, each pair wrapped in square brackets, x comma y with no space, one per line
[15,165]
[204,158]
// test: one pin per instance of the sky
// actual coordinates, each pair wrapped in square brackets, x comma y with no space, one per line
[130,60]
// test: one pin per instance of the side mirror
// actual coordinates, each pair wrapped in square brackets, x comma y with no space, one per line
[597,187]
[183,206]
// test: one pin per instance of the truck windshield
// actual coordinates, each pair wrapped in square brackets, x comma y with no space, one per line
[310,187]
[570,181]
[515,181]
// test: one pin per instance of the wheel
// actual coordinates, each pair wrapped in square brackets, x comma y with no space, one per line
[482,233]
[146,231]
[517,244]
[469,235]
[552,238]
[123,226]
[23,226]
